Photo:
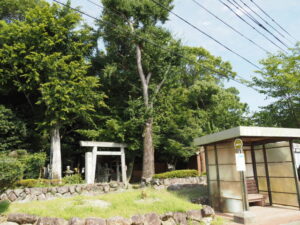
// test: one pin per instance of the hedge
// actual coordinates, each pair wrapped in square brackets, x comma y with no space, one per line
[177,174]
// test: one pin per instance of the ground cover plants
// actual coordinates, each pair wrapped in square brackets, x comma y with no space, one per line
[124,204]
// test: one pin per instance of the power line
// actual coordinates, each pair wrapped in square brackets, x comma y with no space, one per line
[264,12]
[242,81]
[207,35]
[231,27]
[282,35]
[245,21]
[239,7]
[118,13]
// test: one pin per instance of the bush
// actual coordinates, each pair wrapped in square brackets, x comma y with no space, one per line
[11,172]
[4,205]
[33,164]
[73,179]
[29,183]
[177,174]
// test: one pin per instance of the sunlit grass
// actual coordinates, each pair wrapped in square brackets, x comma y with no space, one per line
[123,204]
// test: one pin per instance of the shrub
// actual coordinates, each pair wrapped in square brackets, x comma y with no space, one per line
[73,179]
[177,174]
[11,171]
[4,205]
[29,183]
[33,164]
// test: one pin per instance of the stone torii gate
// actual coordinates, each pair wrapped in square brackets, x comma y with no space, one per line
[91,158]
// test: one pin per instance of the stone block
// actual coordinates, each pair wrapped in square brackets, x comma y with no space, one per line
[41,197]
[245,217]
[76,221]
[51,221]
[72,189]
[78,189]
[195,215]
[95,221]
[22,218]
[207,211]
[18,191]
[137,220]
[62,190]
[118,220]
[36,191]
[12,196]
[152,219]
[166,216]
[9,223]
[180,218]
[3,197]
[106,188]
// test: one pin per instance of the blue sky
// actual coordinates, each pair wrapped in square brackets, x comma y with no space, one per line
[286,13]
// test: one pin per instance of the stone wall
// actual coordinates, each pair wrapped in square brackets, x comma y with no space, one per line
[47,193]
[178,181]
[192,217]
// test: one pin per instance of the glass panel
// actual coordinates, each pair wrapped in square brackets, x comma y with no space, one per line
[281,169]
[226,156]
[262,184]
[214,194]
[228,145]
[289,185]
[259,157]
[229,173]
[231,189]
[260,169]
[248,156]
[278,144]
[279,154]
[211,156]
[260,147]
[231,205]
[249,170]
[285,199]
[212,172]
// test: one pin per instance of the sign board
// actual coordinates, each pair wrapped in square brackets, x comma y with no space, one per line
[240,162]
[238,144]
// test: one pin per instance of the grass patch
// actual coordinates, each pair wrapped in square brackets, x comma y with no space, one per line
[189,193]
[123,204]
[4,205]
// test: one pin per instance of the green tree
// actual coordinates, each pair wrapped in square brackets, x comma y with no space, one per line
[280,80]
[134,66]
[12,130]
[44,56]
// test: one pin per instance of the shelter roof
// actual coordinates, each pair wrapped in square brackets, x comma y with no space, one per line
[256,133]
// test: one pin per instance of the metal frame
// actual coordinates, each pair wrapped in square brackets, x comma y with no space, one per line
[295,171]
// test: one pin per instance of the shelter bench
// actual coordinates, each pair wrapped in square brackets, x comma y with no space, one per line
[253,195]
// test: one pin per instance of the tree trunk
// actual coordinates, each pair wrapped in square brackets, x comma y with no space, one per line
[55,152]
[148,154]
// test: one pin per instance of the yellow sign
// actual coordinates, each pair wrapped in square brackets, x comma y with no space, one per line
[238,144]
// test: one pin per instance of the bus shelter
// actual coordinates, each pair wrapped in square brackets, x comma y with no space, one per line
[269,163]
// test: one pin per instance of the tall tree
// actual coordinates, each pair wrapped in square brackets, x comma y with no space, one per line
[280,80]
[145,69]
[44,57]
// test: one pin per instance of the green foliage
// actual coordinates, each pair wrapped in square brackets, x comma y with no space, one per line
[177,174]
[4,205]
[11,172]
[30,183]
[125,204]
[12,130]
[280,79]
[73,179]
[33,164]
[15,9]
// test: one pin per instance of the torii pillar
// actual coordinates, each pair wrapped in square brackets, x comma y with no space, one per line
[91,158]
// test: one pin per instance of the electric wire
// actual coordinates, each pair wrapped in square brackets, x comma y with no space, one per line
[242,81]
[228,25]
[245,21]
[257,14]
[273,20]
[207,35]
[239,7]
